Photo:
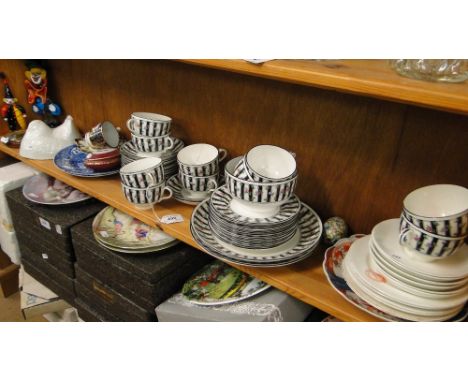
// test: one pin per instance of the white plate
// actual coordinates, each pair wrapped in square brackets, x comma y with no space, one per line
[356,264]
[333,269]
[356,287]
[35,190]
[135,251]
[213,274]
[376,267]
[414,280]
[386,237]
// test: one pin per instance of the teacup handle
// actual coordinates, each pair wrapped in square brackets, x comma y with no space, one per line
[168,196]
[244,161]
[130,124]
[214,182]
[171,143]
[222,154]
[403,235]
[153,180]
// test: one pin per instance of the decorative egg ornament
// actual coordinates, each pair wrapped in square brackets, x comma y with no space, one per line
[334,229]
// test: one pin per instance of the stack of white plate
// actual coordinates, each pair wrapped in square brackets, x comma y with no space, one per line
[381,272]
[130,153]
[120,232]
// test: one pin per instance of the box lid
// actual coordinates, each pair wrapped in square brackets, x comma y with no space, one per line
[63,215]
[150,266]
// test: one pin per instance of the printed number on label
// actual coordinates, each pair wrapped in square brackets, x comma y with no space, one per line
[169,219]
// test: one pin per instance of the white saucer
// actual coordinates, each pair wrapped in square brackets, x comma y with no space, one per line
[356,264]
[182,195]
[386,237]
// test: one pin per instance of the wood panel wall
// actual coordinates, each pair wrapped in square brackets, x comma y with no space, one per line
[358,157]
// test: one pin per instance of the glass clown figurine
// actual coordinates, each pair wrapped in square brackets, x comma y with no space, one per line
[12,112]
[36,86]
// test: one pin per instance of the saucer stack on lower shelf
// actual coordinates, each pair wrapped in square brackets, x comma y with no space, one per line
[120,232]
[256,224]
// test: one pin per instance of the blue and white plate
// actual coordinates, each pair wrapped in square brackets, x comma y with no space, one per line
[301,246]
[71,160]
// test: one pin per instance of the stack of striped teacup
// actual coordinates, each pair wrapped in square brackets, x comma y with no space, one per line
[151,138]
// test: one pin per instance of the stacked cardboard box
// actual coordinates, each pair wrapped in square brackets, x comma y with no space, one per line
[113,286]
[45,242]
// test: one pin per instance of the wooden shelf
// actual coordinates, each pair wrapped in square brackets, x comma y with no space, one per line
[305,280]
[372,78]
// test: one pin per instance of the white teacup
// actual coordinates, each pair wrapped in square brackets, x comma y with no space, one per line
[198,183]
[200,159]
[143,173]
[268,163]
[149,124]
[145,198]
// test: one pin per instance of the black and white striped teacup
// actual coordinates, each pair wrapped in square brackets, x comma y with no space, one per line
[150,144]
[198,183]
[143,173]
[200,159]
[104,133]
[149,124]
[427,246]
[144,198]
[256,192]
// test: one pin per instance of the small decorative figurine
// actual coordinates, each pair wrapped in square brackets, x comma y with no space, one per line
[12,112]
[334,229]
[36,85]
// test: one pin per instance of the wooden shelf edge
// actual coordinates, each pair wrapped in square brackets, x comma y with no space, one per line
[346,76]
[108,191]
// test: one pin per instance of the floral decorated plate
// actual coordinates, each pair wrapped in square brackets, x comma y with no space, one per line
[218,283]
[44,189]
[117,230]
[332,267]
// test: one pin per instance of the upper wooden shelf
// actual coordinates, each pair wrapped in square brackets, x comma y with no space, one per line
[373,78]
[305,280]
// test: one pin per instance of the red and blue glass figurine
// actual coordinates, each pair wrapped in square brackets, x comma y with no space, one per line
[12,112]
[36,86]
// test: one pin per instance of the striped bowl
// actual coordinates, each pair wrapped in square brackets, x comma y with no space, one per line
[430,246]
[254,192]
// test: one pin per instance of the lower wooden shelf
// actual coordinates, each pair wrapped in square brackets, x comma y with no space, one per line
[304,280]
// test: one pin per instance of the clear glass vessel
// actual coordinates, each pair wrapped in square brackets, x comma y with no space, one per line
[432,70]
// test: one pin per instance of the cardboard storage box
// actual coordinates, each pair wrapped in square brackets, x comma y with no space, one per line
[45,251]
[145,279]
[11,176]
[88,314]
[53,279]
[104,299]
[53,223]
[271,305]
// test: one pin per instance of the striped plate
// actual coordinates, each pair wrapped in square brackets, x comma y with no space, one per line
[306,239]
